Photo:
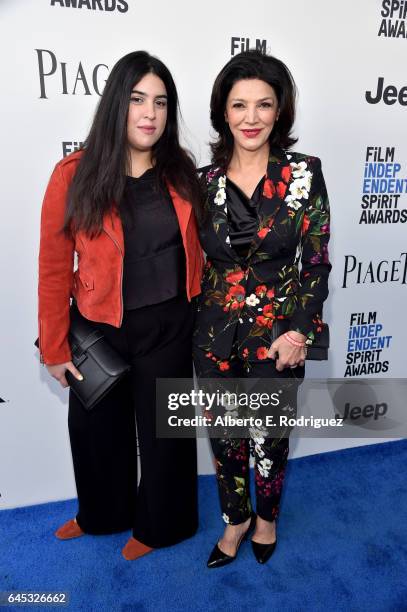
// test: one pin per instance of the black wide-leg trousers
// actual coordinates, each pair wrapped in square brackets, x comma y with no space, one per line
[162,509]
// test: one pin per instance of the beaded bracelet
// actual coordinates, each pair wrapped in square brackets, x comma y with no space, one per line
[292,341]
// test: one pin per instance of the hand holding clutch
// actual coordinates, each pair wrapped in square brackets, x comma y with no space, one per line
[58,372]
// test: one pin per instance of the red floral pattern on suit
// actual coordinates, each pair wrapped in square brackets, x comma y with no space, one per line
[285,273]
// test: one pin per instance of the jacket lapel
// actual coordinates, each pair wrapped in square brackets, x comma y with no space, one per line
[183,210]
[216,188]
[272,198]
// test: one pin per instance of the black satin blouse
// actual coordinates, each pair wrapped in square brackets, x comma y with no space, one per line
[242,216]
[154,257]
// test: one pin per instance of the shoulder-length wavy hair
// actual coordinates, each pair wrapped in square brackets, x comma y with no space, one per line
[252,64]
[100,178]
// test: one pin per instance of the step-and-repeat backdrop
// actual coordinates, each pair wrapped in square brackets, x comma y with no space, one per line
[348,59]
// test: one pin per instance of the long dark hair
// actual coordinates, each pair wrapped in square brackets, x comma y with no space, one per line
[100,178]
[252,64]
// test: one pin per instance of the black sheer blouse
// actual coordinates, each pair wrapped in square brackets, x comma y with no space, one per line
[242,216]
[154,256]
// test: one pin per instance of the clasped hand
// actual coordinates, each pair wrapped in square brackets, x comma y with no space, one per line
[288,355]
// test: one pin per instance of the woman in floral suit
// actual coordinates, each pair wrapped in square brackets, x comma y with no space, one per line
[265,235]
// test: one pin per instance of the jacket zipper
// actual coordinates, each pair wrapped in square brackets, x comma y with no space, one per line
[121,275]
[40,345]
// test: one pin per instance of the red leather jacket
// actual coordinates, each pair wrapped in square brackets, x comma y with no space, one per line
[97,282]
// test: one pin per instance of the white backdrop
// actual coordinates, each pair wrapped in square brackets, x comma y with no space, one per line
[336,55]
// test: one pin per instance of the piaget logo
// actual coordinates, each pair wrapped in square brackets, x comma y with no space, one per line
[368,272]
[69,79]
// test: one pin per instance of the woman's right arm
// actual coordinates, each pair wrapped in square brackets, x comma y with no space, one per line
[56,259]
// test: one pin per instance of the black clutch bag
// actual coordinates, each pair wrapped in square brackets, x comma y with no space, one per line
[317,351]
[100,365]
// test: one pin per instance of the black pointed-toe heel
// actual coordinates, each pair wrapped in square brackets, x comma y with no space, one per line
[217,558]
[263,552]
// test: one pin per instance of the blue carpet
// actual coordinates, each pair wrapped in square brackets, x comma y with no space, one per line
[342,545]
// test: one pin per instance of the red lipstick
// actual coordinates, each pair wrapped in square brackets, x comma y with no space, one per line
[251,133]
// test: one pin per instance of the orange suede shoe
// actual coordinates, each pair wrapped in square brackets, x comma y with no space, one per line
[69,530]
[135,549]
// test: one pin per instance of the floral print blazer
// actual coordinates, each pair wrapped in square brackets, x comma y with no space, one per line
[285,273]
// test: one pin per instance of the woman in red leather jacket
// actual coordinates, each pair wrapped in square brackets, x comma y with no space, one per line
[126,205]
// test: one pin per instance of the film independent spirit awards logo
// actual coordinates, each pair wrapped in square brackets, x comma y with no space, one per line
[393,23]
[367,345]
[384,187]
[121,6]
[238,44]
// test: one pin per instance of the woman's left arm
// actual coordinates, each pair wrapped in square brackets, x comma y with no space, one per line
[315,265]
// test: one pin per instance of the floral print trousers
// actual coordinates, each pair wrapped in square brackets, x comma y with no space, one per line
[232,454]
